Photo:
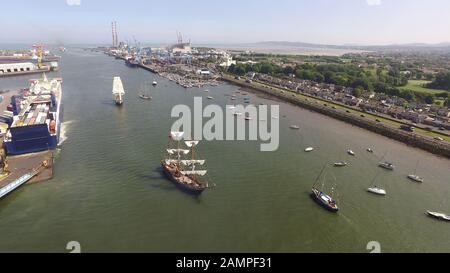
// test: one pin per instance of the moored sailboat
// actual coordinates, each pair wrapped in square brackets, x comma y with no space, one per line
[414,177]
[323,199]
[387,166]
[439,215]
[145,94]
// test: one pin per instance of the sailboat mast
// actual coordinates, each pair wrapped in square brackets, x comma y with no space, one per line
[318,177]
[417,165]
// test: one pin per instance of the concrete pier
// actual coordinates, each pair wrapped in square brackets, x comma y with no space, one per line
[20,165]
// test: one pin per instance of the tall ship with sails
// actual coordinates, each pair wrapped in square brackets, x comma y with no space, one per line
[118,91]
[180,169]
[37,118]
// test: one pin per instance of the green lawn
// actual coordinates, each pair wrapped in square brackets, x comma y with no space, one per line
[418,86]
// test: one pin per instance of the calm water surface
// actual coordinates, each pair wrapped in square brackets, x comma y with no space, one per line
[109,194]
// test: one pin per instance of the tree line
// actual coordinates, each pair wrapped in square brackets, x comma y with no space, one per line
[347,75]
[441,81]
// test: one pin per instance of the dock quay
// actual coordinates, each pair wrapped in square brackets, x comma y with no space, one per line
[441,148]
[19,165]
[40,165]
[181,74]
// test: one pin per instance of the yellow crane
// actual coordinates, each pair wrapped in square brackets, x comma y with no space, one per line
[40,53]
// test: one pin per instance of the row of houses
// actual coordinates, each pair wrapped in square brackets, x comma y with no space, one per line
[430,115]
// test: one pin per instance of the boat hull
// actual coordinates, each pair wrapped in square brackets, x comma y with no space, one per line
[31,139]
[438,216]
[183,187]
[315,195]
[131,64]
[415,179]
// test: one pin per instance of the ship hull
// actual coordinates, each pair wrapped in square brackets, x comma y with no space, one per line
[131,64]
[31,139]
[315,195]
[183,187]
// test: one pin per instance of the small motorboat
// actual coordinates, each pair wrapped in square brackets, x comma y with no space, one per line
[154,83]
[145,97]
[309,149]
[295,127]
[340,164]
[237,114]
[369,150]
[376,190]
[415,178]
[206,90]
[210,98]
[233,98]
[350,152]
[387,166]
[439,215]
[248,118]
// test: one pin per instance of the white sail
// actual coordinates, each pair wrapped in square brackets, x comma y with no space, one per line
[176,151]
[176,135]
[170,161]
[190,162]
[117,86]
[201,173]
[191,144]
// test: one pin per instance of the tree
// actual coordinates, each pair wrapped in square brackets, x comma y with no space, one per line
[447,102]
[358,91]
[407,95]
[429,99]
[442,81]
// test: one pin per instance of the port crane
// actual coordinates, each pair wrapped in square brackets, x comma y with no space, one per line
[40,54]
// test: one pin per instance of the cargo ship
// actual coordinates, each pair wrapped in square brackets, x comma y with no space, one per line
[37,118]
[132,62]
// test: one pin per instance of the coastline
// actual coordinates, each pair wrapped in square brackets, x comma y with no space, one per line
[441,148]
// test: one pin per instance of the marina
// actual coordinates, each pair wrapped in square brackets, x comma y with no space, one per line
[112,155]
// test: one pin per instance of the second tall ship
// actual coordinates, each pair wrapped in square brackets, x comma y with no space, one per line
[118,91]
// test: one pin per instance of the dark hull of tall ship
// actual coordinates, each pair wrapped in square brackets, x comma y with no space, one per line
[194,190]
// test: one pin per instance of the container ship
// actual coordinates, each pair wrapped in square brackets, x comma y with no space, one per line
[132,62]
[37,118]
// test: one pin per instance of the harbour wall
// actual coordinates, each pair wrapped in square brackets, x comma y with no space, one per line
[441,148]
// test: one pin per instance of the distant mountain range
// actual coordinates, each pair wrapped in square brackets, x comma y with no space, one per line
[412,46]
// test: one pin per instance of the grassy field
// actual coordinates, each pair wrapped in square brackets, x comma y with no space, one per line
[418,86]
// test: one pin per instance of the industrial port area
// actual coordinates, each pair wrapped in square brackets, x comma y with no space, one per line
[28,125]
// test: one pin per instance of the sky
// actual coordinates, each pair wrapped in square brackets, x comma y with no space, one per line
[362,22]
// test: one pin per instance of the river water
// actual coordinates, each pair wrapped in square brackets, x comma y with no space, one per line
[108,192]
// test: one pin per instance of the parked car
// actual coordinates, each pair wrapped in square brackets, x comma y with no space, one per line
[408,128]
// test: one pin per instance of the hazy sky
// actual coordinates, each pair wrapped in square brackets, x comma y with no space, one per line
[227,21]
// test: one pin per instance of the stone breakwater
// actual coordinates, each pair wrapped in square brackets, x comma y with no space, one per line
[441,148]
